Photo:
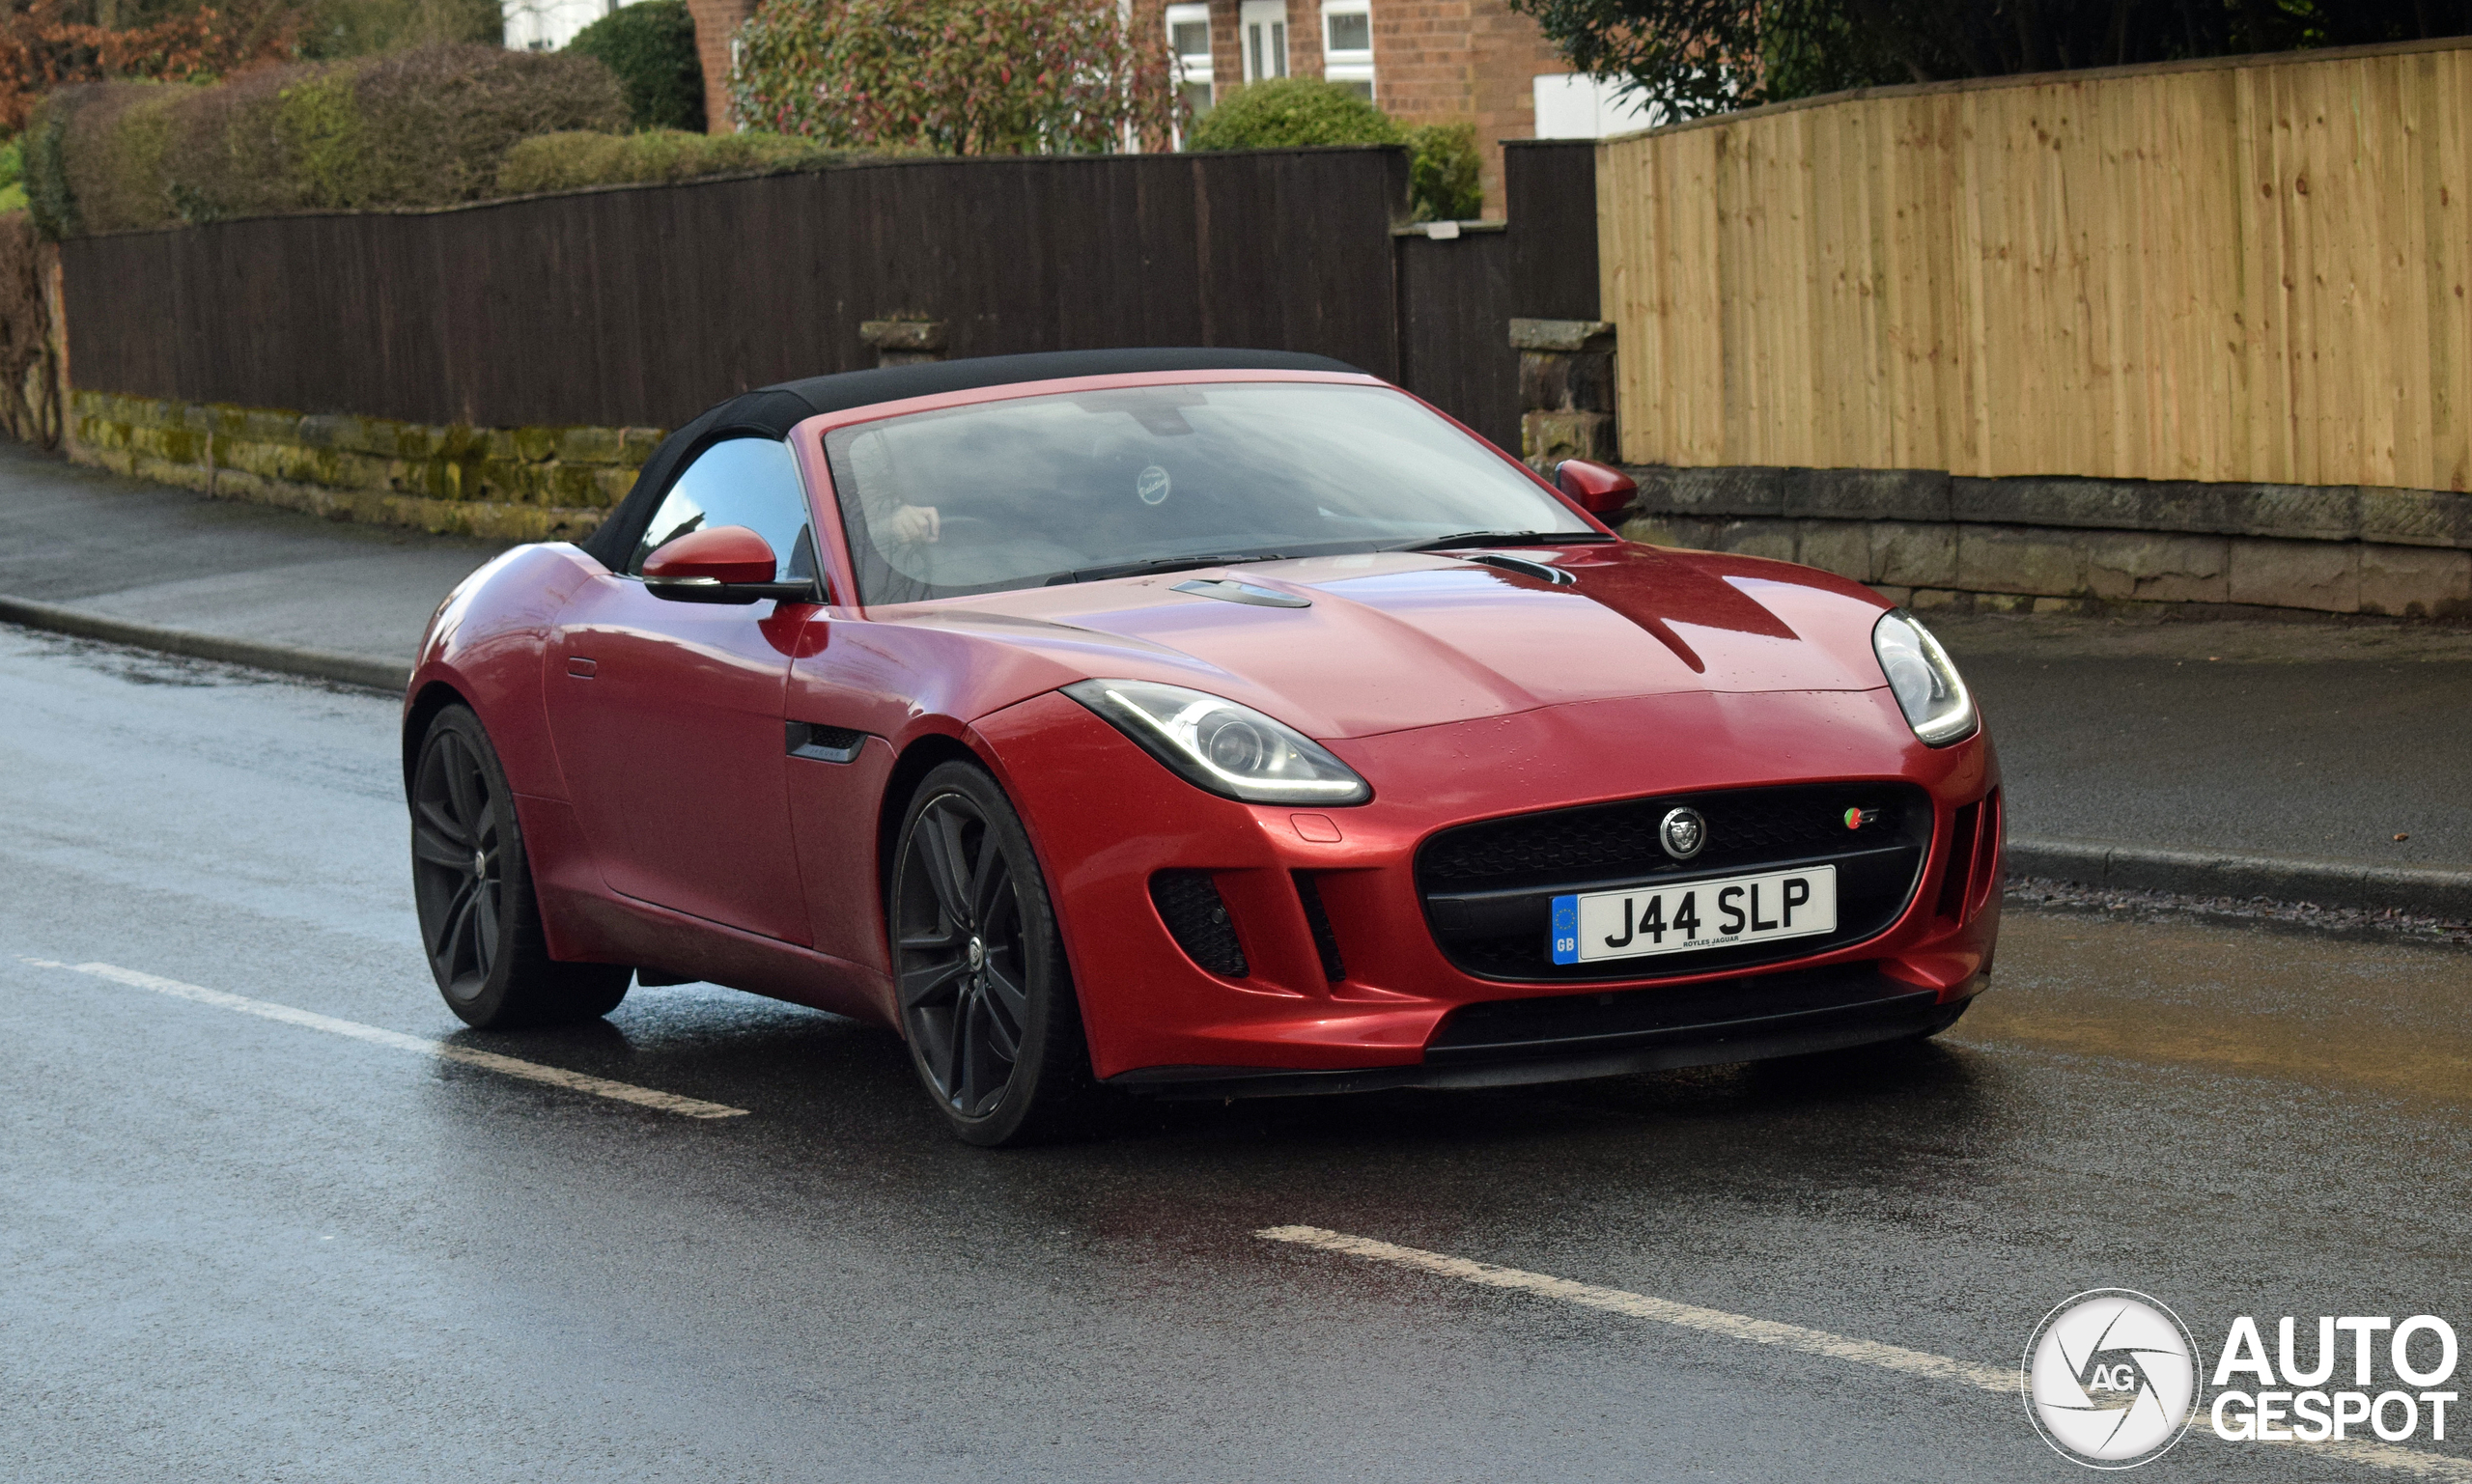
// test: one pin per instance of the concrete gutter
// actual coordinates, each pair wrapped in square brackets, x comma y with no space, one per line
[283,659]
[2433,891]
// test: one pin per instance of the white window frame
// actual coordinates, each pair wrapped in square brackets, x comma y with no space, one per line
[1197,69]
[1352,65]
[1261,38]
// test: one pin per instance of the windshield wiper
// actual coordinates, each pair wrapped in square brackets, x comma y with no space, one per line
[1500,538]
[1162,564]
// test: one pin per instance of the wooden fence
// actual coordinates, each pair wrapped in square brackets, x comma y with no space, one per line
[2252,269]
[642,306]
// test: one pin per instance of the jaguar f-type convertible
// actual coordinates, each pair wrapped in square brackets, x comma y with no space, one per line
[1195,723]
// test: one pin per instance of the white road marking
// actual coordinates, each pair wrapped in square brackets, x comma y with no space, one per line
[1738,1326]
[530,1071]
[2006,1380]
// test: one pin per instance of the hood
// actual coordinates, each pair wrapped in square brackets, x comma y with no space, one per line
[1406,639]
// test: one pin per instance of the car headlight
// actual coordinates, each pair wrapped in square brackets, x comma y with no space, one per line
[1923,679]
[1225,747]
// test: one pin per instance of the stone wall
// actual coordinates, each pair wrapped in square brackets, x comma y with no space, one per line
[1934,539]
[509,484]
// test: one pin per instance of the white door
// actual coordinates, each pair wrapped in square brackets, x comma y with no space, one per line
[1261,32]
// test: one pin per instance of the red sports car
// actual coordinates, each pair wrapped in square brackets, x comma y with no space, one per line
[1192,722]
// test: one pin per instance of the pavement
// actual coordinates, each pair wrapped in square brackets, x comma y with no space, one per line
[260,1223]
[2304,759]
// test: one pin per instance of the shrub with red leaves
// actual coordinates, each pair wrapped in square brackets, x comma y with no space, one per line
[41,49]
[955,76]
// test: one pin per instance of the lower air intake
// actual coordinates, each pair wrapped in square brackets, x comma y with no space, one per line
[1189,902]
[1317,917]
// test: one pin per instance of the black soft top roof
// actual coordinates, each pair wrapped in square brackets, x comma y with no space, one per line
[773,411]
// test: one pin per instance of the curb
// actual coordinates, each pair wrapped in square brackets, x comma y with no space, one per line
[2434,891]
[283,659]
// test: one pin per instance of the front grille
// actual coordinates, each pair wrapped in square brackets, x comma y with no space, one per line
[1488,888]
[1189,902]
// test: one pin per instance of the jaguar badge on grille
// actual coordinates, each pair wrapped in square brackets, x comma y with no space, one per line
[1682,833]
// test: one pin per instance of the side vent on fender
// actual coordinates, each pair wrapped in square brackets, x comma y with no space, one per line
[1189,902]
[1317,917]
[825,744]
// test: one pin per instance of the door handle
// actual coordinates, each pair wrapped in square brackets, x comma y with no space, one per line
[581,668]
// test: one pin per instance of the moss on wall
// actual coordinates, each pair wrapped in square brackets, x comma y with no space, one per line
[510,484]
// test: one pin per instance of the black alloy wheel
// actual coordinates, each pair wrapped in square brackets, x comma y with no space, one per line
[986,1001]
[459,864]
[472,887]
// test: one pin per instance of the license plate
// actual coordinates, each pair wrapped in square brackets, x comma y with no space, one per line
[1715,914]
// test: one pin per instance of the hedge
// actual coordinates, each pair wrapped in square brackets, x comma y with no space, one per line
[1290,113]
[424,127]
[651,45]
[1295,112]
[1444,170]
[572,160]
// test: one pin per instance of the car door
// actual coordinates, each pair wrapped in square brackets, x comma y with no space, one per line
[668,715]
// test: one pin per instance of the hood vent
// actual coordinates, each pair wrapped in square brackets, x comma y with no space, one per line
[1229,590]
[1526,567]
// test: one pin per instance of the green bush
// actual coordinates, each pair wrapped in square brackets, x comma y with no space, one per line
[436,122]
[1291,113]
[49,204]
[12,182]
[333,29]
[651,45]
[1443,173]
[108,143]
[235,149]
[424,127]
[570,162]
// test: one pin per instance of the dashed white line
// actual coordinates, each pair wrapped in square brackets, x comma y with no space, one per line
[1817,1342]
[1737,1327]
[510,1066]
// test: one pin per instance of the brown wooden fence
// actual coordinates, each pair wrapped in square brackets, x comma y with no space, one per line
[641,306]
[1457,296]
[2252,269]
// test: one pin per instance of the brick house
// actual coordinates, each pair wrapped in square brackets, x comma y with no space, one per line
[1421,61]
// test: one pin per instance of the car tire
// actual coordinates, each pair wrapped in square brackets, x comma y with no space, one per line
[987,1001]
[472,887]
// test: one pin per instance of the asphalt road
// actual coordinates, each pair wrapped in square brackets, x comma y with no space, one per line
[2320,740]
[237,1248]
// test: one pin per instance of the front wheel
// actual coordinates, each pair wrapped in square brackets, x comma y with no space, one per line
[987,1002]
[472,886]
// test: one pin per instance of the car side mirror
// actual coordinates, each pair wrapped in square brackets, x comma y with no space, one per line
[1595,488]
[723,564]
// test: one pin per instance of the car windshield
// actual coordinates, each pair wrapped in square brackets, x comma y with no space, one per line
[1085,484]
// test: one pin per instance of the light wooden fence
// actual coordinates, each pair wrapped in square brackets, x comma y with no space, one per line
[2252,269]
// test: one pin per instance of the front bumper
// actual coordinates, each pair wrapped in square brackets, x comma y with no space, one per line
[1572,1038]
[1107,818]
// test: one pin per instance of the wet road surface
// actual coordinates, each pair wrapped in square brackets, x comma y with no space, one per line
[241,1248]
[2324,741]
